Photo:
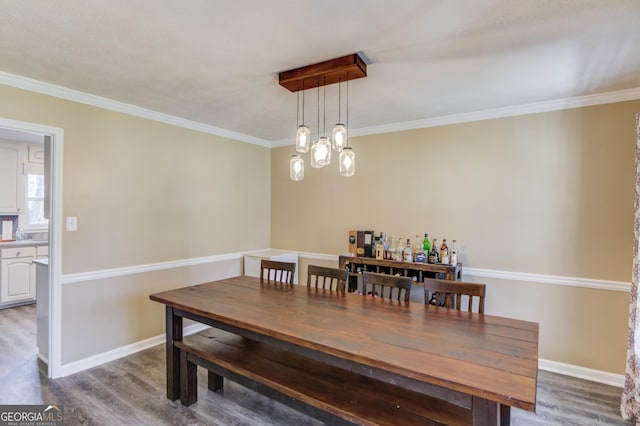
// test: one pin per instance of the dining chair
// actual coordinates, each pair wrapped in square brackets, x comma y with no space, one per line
[386,282]
[453,291]
[275,271]
[326,278]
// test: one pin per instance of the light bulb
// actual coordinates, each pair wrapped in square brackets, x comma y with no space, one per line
[296,167]
[347,162]
[315,155]
[303,137]
[323,152]
[339,136]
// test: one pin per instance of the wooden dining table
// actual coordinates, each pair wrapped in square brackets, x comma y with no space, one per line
[485,363]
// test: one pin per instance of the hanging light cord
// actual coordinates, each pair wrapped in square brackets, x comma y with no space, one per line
[324,107]
[298,110]
[347,108]
[339,101]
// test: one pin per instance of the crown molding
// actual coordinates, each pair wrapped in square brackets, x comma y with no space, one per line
[509,111]
[488,114]
[117,106]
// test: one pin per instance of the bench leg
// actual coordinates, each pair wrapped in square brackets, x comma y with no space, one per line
[214,381]
[188,380]
[173,333]
[484,412]
[505,415]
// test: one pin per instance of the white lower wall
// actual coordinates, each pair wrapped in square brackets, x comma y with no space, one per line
[107,314]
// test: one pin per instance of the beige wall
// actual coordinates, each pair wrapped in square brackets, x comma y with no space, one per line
[105,314]
[548,193]
[143,192]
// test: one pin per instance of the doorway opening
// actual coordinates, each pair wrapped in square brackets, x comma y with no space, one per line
[51,138]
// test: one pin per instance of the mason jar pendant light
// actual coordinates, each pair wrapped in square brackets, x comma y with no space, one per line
[347,162]
[347,156]
[303,135]
[339,134]
[296,167]
[321,149]
[324,145]
[322,74]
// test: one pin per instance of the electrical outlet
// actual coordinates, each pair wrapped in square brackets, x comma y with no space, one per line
[72,223]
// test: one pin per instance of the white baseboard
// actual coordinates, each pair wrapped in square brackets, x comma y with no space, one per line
[102,358]
[543,364]
[582,372]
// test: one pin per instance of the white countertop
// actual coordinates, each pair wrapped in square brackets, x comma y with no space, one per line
[41,262]
[23,243]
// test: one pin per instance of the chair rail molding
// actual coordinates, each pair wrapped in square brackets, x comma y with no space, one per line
[622,286]
[544,364]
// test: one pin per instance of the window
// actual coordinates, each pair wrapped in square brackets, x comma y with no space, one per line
[35,202]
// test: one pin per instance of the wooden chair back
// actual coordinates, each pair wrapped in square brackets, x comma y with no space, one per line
[386,282]
[326,278]
[453,291]
[275,271]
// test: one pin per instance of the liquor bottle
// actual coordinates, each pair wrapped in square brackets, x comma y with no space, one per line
[417,246]
[420,256]
[393,249]
[426,244]
[399,250]
[433,300]
[387,246]
[407,255]
[444,252]
[380,248]
[434,257]
[454,253]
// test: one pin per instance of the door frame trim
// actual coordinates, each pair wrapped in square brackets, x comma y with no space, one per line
[55,235]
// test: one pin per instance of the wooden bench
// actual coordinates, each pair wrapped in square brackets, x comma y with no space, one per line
[325,392]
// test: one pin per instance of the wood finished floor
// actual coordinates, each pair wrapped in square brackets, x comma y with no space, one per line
[131,391]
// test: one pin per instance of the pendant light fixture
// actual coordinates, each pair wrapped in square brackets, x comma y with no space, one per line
[317,156]
[322,74]
[321,149]
[347,162]
[347,156]
[339,134]
[296,167]
[303,135]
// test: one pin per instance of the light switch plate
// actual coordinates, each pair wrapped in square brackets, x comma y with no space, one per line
[72,223]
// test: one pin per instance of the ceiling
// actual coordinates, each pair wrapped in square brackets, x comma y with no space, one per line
[217,62]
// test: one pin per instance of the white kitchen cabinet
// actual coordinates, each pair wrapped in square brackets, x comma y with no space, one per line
[17,275]
[42,252]
[11,179]
[42,308]
[252,261]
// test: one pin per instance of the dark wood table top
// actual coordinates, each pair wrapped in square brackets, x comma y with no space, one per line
[481,355]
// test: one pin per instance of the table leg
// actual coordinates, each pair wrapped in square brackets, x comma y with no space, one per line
[174,333]
[214,381]
[188,380]
[505,415]
[484,412]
